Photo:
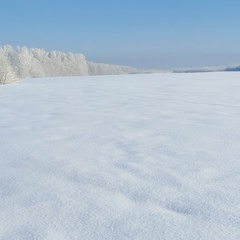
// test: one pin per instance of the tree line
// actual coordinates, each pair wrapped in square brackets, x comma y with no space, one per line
[23,62]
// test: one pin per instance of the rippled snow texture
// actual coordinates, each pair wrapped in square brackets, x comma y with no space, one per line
[141,157]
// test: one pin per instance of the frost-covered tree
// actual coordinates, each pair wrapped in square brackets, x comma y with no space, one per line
[34,62]
[7,74]
[108,69]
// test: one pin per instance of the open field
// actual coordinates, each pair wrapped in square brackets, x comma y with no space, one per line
[141,157]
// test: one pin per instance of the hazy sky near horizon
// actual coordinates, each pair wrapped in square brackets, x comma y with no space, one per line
[150,34]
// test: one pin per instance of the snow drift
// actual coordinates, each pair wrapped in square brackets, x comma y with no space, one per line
[34,63]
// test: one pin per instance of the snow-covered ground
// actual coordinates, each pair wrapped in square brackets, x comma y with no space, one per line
[141,157]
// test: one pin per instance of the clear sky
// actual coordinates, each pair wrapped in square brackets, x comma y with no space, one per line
[150,34]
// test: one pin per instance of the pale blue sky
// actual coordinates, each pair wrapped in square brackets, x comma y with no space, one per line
[151,34]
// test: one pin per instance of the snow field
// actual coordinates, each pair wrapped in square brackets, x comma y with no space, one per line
[121,157]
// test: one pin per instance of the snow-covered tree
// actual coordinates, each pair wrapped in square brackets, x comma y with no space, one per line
[33,62]
[7,74]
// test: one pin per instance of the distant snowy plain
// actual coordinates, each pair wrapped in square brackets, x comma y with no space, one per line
[140,157]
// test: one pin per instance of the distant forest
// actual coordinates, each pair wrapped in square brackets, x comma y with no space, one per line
[23,62]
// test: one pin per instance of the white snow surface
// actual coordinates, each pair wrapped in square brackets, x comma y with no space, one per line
[140,157]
